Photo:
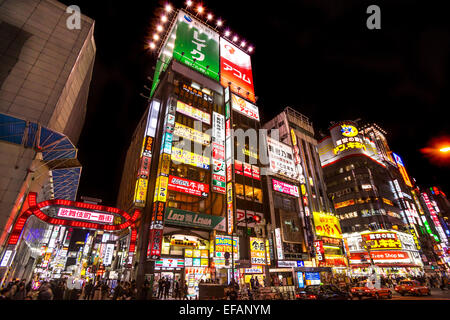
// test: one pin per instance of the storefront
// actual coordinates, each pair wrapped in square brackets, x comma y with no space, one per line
[392,253]
[185,257]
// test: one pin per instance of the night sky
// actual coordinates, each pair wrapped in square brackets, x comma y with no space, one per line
[316,56]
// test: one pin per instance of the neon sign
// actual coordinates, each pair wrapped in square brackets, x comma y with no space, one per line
[188,186]
[285,188]
[348,130]
[85,215]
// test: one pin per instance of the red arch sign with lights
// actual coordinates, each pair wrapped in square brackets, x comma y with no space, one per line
[35,209]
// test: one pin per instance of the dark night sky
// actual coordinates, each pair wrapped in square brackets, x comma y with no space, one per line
[316,56]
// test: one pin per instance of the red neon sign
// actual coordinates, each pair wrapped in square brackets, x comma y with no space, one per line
[35,208]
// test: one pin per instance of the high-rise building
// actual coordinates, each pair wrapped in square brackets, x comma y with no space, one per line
[305,226]
[201,207]
[45,73]
[371,193]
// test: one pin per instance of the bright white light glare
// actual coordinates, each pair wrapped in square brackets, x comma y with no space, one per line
[235,38]
[243,44]
[164,18]
[168,8]
[250,49]
[199,9]
[219,23]
[227,33]
[152,45]
[189,3]
[155,37]
[159,28]
[209,17]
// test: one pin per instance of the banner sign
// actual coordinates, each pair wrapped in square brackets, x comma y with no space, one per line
[85,215]
[191,134]
[235,67]
[191,219]
[197,46]
[246,108]
[320,252]
[382,240]
[188,186]
[257,251]
[192,112]
[327,225]
[282,159]
[192,159]
[285,188]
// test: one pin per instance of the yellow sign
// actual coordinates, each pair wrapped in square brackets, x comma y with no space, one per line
[387,201]
[294,137]
[327,225]
[191,134]
[140,192]
[165,163]
[257,251]
[193,112]
[190,158]
[349,145]
[348,130]
[162,183]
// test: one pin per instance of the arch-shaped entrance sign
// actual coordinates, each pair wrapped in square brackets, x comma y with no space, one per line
[35,209]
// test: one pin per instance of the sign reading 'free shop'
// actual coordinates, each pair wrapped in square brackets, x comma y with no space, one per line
[191,219]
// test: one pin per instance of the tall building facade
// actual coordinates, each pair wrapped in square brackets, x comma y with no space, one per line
[371,193]
[45,73]
[199,184]
[305,226]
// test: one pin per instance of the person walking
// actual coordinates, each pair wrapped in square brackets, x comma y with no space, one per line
[177,289]
[88,289]
[104,290]
[45,292]
[252,283]
[185,290]
[166,288]
[161,284]
[118,290]
[20,292]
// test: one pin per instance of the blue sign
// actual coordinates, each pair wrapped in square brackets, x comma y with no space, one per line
[312,278]
[301,284]
[300,263]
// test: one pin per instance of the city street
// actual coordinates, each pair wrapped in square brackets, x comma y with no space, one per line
[436,294]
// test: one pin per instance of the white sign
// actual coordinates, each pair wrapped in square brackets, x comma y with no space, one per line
[279,244]
[287,264]
[108,254]
[244,107]
[218,128]
[282,159]
[86,215]
[6,257]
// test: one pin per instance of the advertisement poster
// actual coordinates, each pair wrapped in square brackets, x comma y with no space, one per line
[327,225]
[236,67]
[197,46]
[285,188]
[188,186]
[246,108]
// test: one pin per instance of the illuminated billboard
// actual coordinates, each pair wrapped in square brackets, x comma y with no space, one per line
[236,68]
[188,186]
[246,108]
[285,188]
[191,134]
[327,225]
[402,169]
[192,112]
[345,140]
[257,251]
[186,157]
[85,215]
[196,45]
[382,240]
[281,159]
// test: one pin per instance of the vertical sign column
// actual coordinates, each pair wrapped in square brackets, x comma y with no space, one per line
[162,181]
[229,162]
[218,153]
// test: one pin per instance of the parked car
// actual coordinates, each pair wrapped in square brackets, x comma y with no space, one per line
[323,292]
[412,287]
[362,290]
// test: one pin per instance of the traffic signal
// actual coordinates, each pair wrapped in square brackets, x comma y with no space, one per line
[254,219]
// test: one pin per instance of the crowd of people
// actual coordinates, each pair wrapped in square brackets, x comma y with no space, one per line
[390,281]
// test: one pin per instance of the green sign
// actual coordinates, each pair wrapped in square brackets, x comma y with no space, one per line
[191,219]
[197,46]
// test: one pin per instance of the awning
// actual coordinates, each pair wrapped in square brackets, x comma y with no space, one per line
[58,152]
[386,265]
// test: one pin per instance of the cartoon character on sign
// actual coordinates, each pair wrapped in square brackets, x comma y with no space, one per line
[349,130]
